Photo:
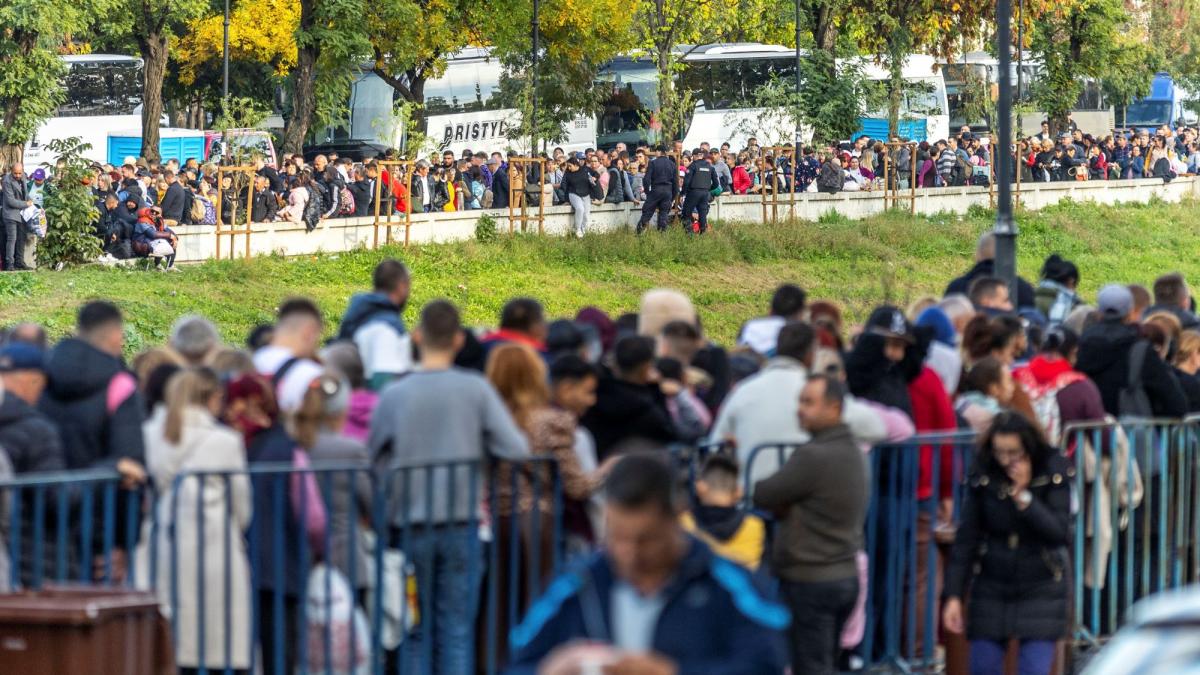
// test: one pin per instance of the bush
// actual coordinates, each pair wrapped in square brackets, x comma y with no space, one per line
[486,229]
[70,209]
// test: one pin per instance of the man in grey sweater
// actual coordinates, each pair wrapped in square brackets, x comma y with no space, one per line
[820,499]
[430,436]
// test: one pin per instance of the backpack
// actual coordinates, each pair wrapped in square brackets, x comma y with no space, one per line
[197,212]
[312,210]
[1132,400]
[346,207]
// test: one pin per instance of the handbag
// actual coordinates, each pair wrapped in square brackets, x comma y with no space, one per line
[334,619]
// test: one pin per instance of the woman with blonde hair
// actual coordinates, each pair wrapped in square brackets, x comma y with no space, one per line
[519,376]
[198,552]
[1186,365]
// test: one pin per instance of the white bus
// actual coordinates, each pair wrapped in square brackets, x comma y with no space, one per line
[463,109]
[103,95]
[723,78]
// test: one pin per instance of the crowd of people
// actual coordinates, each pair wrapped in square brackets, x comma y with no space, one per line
[678,582]
[140,202]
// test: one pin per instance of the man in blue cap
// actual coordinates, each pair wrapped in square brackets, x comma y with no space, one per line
[28,435]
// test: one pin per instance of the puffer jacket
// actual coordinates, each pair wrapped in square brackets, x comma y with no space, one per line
[1014,562]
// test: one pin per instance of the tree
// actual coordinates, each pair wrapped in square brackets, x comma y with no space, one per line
[32,34]
[70,208]
[410,40]
[331,41]
[262,51]
[1086,38]
[577,37]
[154,23]
[895,29]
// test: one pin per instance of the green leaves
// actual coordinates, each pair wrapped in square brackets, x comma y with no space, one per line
[70,209]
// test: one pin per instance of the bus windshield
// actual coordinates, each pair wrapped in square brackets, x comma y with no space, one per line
[1148,114]
[96,88]
[632,95]
[465,87]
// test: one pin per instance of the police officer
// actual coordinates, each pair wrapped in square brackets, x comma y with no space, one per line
[662,187]
[697,190]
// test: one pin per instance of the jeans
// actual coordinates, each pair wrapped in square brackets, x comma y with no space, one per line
[1036,657]
[819,611]
[449,562]
[581,208]
[14,244]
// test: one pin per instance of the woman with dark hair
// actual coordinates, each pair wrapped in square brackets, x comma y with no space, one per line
[1055,296]
[1011,550]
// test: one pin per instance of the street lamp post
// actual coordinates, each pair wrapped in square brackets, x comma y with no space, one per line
[1005,228]
[796,153]
[533,116]
[225,60]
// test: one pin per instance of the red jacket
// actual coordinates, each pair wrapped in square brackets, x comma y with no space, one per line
[741,180]
[932,412]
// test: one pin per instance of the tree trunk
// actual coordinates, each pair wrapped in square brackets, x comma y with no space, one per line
[304,102]
[10,153]
[895,91]
[153,46]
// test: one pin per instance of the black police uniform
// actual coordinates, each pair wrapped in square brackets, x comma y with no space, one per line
[662,187]
[697,186]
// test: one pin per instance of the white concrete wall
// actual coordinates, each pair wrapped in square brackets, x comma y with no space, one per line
[199,243]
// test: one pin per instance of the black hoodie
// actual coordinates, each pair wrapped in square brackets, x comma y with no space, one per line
[626,412]
[95,403]
[29,437]
[1104,357]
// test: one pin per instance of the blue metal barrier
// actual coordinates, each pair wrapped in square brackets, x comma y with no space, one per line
[67,527]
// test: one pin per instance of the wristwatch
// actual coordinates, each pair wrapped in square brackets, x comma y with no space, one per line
[1023,498]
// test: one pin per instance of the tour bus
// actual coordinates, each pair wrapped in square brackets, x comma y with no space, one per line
[1092,112]
[722,79]
[463,109]
[103,94]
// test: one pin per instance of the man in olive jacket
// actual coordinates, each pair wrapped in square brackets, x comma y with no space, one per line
[820,499]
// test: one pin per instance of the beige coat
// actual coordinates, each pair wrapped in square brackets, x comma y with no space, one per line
[213,509]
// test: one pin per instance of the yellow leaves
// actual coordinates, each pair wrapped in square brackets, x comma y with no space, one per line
[259,30]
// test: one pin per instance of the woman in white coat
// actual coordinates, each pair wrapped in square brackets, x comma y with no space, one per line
[201,525]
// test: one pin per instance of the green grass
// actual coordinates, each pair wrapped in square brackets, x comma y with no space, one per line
[729,275]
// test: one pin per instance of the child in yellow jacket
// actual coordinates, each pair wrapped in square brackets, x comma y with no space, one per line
[719,521]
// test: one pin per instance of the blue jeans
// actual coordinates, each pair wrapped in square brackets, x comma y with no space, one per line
[448,560]
[1036,657]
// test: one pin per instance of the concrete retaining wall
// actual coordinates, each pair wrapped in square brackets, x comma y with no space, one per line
[198,242]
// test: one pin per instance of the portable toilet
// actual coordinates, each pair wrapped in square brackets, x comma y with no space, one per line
[178,144]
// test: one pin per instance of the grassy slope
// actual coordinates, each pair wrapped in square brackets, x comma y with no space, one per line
[729,274]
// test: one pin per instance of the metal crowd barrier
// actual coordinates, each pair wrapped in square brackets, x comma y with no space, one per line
[237,559]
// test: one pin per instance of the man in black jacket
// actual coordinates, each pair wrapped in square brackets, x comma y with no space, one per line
[985,266]
[697,186]
[499,183]
[1104,355]
[1172,296]
[662,188]
[265,205]
[267,171]
[174,201]
[630,407]
[363,190]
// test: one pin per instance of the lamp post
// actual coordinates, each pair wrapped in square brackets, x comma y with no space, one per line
[796,153]
[1005,228]
[225,60]
[533,116]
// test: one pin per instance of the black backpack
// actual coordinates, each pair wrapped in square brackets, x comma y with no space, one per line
[1132,400]
[313,209]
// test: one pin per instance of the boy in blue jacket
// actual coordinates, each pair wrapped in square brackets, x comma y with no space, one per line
[655,601]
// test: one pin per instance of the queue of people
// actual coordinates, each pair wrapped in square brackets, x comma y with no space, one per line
[672,580]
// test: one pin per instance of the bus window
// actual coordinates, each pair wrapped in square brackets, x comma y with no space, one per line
[464,87]
[1148,114]
[101,88]
[632,96]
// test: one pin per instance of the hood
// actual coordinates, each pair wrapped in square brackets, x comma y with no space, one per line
[1104,346]
[364,307]
[721,522]
[943,329]
[1045,371]
[620,400]
[78,370]
[358,416]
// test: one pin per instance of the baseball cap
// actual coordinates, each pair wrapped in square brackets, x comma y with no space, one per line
[20,356]
[38,174]
[888,321]
[1114,301]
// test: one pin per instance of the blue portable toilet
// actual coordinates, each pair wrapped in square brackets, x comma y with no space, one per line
[877,128]
[178,144]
